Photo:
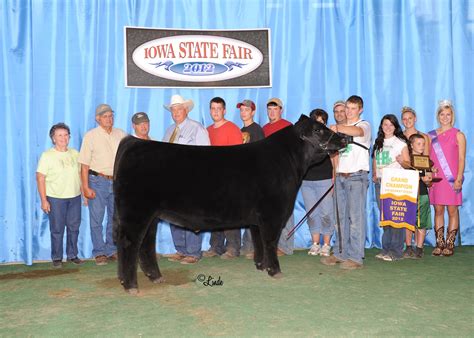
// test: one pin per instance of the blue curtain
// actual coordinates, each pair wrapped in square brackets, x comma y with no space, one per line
[59,59]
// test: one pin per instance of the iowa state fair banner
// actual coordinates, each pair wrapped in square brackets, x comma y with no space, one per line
[197,58]
[398,198]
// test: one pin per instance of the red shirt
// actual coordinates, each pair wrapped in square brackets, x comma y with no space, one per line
[226,135]
[271,128]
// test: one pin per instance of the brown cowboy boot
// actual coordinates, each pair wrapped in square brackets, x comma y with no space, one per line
[440,244]
[450,239]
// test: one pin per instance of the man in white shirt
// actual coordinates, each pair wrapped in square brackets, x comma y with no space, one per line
[185,131]
[351,188]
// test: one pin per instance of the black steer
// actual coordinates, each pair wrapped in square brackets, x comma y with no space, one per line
[207,188]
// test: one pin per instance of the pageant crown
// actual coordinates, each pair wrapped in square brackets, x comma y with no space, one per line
[445,103]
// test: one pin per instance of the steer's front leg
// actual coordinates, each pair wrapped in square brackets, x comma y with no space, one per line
[270,245]
[271,259]
[257,247]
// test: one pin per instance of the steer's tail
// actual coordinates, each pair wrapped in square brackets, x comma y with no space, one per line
[115,225]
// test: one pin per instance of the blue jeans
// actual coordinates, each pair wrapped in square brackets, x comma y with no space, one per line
[392,238]
[287,245]
[104,199]
[247,243]
[351,194]
[232,239]
[186,241]
[321,220]
[65,212]
[392,241]
[377,192]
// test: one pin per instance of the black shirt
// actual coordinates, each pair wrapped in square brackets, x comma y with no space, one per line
[319,171]
[255,131]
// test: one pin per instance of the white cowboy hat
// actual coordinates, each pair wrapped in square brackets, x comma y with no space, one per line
[177,100]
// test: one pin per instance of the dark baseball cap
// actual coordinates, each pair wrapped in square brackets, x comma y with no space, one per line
[139,118]
[247,103]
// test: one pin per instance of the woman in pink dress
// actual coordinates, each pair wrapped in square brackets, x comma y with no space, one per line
[448,152]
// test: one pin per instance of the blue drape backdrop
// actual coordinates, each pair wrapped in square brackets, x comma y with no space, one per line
[59,59]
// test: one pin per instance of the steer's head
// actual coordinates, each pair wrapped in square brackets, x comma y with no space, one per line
[319,138]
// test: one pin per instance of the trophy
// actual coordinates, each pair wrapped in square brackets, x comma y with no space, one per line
[422,164]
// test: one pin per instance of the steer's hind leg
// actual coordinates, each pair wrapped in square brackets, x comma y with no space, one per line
[147,254]
[128,240]
[127,261]
[257,247]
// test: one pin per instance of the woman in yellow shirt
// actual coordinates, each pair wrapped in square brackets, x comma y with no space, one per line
[59,187]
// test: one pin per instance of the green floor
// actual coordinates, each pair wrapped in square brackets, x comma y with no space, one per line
[430,297]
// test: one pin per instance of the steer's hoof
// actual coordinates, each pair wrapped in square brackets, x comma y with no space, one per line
[259,266]
[158,280]
[275,273]
[132,291]
[278,275]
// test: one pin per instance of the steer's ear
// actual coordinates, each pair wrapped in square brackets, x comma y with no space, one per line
[303,117]
[303,125]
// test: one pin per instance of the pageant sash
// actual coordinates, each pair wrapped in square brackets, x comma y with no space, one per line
[443,162]
[398,198]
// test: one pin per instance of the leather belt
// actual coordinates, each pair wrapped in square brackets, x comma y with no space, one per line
[95,173]
[352,174]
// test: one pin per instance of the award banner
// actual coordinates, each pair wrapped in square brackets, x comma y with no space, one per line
[398,198]
[197,58]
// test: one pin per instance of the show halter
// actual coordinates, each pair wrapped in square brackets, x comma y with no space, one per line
[305,217]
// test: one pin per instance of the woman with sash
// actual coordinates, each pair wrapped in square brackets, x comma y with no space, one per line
[448,152]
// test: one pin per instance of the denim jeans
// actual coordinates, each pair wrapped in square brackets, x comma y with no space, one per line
[247,243]
[321,220]
[186,241]
[351,195]
[392,241]
[65,212]
[287,245]
[103,200]
[392,238]
[377,192]
[231,238]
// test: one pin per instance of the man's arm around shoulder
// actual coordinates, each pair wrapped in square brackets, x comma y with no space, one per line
[357,131]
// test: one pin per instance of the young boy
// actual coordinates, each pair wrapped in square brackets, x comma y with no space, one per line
[418,144]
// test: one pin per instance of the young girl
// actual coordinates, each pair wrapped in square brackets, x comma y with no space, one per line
[317,180]
[390,150]
[418,145]
[409,122]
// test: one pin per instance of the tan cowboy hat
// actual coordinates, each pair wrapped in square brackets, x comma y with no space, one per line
[177,100]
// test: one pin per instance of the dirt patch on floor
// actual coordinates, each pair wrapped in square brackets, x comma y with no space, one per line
[36,274]
[172,278]
[63,293]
